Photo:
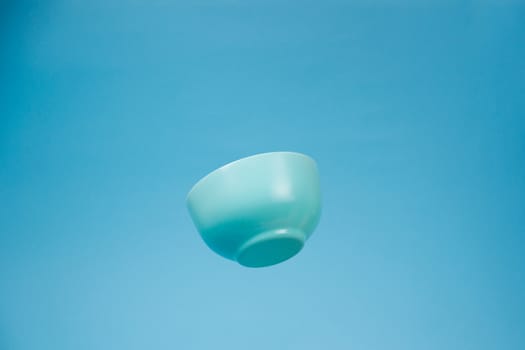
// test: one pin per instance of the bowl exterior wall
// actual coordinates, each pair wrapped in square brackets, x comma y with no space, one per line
[266,192]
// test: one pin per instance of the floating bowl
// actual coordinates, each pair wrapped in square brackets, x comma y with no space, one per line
[259,210]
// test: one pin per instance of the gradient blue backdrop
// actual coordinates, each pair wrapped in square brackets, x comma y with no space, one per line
[111,110]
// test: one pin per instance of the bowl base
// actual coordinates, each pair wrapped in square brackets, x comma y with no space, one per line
[271,247]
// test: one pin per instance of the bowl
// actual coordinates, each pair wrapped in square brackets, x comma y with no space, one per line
[259,210]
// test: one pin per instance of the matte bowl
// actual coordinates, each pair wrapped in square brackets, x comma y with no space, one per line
[259,210]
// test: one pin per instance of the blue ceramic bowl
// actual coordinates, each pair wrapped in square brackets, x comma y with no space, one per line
[259,210]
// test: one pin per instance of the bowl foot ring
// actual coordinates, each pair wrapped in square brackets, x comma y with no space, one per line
[271,247]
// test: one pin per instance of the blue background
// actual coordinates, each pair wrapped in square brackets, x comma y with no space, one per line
[111,110]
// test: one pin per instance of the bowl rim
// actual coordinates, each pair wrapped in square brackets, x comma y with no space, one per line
[235,162]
